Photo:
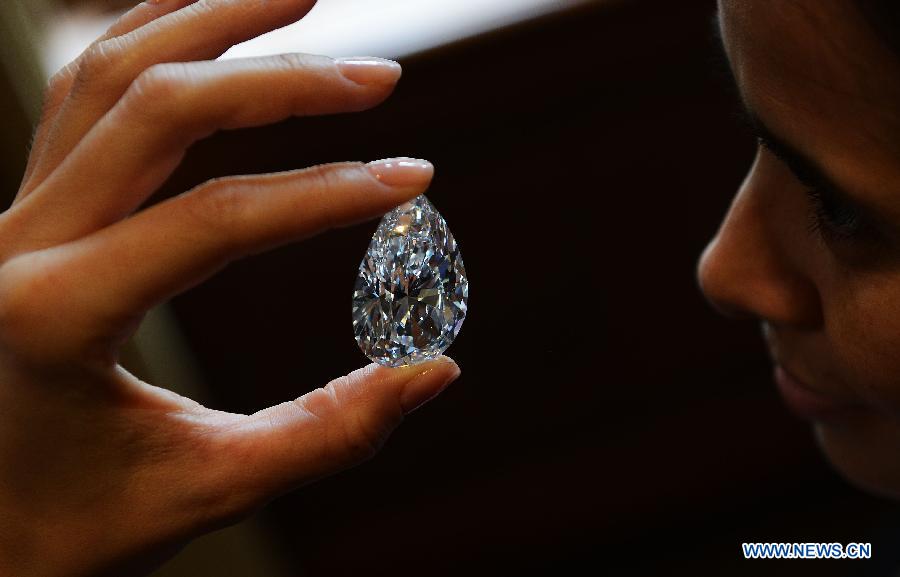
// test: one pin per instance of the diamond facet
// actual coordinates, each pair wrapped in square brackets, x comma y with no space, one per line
[411,292]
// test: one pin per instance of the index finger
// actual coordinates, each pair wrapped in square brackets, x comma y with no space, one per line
[111,277]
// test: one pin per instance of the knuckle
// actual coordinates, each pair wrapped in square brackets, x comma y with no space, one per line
[362,427]
[25,291]
[292,60]
[95,64]
[58,86]
[352,434]
[59,78]
[218,207]
[322,182]
[46,319]
[365,440]
[41,321]
[206,496]
[163,95]
[298,61]
[323,177]
[160,83]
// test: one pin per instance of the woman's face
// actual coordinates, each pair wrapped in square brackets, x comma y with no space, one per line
[811,243]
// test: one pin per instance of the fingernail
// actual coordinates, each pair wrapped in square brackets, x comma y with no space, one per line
[369,70]
[428,383]
[402,171]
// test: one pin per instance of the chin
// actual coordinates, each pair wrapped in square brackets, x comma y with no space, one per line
[865,451]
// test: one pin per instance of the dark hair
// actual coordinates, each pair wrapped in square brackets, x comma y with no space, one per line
[884,17]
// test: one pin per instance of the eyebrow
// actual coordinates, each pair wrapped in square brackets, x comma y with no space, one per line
[807,171]
[804,169]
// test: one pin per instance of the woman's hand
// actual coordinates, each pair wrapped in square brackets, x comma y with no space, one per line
[101,473]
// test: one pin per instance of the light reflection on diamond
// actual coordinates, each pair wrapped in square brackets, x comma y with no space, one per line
[411,293]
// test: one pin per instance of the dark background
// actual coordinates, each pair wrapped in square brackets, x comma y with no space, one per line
[606,417]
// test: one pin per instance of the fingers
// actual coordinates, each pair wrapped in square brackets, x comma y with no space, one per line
[143,14]
[327,430]
[139,143]
[110,278]
[199,30]
[61,82]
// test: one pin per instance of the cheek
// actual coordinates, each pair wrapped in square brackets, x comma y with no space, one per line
[862,331]
[863,324]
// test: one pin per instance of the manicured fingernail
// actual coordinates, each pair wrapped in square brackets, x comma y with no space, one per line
[369,70]
[430,380]
[402,171]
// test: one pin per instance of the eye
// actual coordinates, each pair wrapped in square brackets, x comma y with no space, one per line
[832,217]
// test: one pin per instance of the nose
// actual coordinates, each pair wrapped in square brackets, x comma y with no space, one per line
[751,269]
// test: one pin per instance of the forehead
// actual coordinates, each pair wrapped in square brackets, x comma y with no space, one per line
[817,74]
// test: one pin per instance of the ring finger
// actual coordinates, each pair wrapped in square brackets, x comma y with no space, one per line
[194,31]
[61,82]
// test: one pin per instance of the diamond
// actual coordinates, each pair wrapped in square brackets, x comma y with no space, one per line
[411,293]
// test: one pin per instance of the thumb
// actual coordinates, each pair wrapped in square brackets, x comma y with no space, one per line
[329,429]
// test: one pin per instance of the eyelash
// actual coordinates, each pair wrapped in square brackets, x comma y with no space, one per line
[831,218]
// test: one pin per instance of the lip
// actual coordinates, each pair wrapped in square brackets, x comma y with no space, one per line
[806,402]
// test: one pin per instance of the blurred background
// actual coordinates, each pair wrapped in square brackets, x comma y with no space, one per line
[607,421]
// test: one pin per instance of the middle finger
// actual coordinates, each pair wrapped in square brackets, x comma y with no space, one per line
[142,139]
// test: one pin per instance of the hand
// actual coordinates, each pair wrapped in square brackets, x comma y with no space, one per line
[101,473]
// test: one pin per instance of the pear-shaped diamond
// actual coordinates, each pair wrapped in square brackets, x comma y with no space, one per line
[411,293]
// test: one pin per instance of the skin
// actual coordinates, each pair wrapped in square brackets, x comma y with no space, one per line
[101,473]
[818,77]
